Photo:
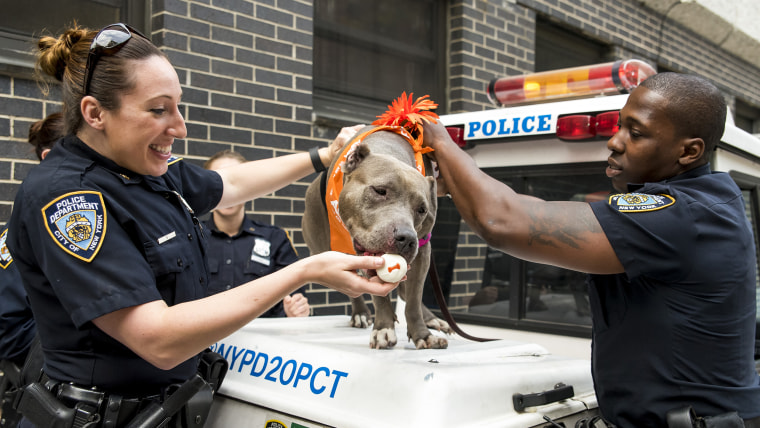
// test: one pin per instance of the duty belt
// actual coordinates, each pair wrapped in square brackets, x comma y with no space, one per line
[92,405]
[685,417]
[64,405]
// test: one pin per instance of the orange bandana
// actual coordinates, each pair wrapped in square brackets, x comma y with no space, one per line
[403,118]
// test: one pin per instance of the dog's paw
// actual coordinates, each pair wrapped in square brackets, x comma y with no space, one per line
[360,321]
[432,342]
[439,325]
[384,338]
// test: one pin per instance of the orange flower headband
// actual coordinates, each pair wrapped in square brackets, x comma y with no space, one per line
[410,116]
[403,117]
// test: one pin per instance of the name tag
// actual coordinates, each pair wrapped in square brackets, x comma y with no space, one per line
[166,237]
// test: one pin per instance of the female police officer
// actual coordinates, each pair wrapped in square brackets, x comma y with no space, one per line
[105,231]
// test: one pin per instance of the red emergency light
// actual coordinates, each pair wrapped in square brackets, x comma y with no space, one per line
[457,134]
[607,123]
[585,126]
[613,77]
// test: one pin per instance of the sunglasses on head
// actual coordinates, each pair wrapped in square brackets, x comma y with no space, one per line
[108,41]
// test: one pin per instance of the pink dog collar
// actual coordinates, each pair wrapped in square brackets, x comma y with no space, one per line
[425,240]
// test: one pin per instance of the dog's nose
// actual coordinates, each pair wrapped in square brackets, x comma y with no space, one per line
[406,241]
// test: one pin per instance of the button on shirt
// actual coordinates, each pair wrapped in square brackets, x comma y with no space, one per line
[257,250]
[678,327]
[90,238]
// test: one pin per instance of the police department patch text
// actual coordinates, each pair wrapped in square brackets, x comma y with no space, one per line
[77,222]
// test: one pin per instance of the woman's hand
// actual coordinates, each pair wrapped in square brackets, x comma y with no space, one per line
[338,271]
[327,154]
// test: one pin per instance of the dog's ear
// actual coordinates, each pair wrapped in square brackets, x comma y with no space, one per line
[358,153]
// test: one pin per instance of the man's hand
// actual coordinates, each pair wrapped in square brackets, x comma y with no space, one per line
[434,136]
[296,305]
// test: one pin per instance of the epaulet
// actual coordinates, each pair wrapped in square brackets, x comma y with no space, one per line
[173,159]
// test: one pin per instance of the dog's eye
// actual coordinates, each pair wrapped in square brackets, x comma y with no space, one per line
[422,210]
[380,191]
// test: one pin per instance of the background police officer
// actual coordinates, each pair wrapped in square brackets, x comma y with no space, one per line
[241,250]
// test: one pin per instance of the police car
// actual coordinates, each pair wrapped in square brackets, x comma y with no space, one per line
[319,372]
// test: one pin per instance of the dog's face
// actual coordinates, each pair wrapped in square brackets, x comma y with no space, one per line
[386,204]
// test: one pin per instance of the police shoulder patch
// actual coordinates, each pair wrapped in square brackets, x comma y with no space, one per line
[5,255]
[640,202]
[77,223]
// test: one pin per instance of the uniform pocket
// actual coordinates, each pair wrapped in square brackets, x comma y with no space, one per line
[254,268]
[166,258]
[168,261]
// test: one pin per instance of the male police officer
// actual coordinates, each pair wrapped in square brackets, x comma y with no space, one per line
[671,257]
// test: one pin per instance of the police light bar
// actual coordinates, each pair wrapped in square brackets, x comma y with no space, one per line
[613,77]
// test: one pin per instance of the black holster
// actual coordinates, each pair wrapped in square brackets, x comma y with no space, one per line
[9,385]
[192,399]
[212,367]
[43,409]
[686,418]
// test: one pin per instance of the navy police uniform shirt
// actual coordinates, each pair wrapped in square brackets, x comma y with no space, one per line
[678,327]
[257,250]
[90,238]
[17,328]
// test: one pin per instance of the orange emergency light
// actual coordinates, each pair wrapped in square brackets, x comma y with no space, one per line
[613,77]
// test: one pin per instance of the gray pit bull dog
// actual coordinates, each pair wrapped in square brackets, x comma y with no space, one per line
[387,206]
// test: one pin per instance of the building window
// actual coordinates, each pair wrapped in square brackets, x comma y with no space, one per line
[367,53]
[518,293]
[751,193]
[558,48]
[747,117]
[23,22]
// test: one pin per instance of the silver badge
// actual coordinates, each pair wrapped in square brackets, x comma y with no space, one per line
[261,251]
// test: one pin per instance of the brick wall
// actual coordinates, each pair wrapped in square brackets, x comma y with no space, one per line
[246,71]
[491,39]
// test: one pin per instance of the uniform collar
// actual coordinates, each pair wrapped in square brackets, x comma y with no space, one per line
[80,148]
[692,173]
[248,227]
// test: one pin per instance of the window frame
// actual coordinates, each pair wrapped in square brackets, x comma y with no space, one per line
[331,108]
[752,185]
[17,51]
[744,112]
[516,318]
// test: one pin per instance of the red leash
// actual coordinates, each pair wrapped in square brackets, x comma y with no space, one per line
[442,304]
